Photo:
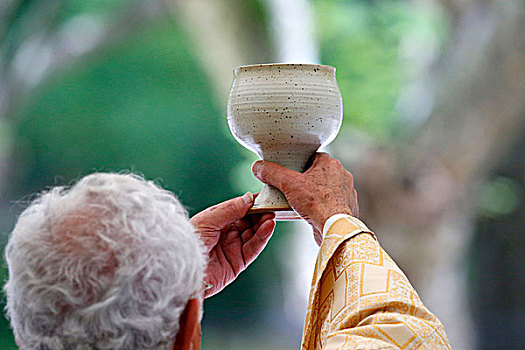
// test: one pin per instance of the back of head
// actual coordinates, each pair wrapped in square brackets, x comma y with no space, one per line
[107,264]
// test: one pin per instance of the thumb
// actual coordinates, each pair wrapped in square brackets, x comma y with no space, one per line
[273,174]
[318,236]
[230,211]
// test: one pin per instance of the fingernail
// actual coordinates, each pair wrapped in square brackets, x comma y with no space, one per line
[255,168]
[248,198]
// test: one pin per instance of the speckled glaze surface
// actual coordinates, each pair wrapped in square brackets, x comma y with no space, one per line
[284,113]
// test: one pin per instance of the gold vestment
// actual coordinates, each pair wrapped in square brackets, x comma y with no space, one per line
[360,299]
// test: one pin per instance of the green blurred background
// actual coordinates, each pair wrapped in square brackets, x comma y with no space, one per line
[121,85]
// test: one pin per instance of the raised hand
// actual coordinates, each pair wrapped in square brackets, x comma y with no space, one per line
[232,239]
[325,189]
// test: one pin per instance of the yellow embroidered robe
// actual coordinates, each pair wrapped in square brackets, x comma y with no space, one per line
[360,299]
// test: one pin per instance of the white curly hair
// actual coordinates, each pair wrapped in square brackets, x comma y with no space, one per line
[108,264]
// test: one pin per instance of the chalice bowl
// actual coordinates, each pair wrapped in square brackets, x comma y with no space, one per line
[284,113]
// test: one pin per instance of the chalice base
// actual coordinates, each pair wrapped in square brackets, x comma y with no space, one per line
[281,214]
[271,200]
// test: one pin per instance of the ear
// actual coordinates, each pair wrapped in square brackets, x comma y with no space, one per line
[189,335]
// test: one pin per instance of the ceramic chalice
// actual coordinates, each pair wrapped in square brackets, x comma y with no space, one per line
[284,113]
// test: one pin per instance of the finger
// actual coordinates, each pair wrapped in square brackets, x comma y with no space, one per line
[252,220]
[355,207]
[318,236]
[258,219]
[256,244]
[273,173]
[255,223]
[246,222]
[227,212]
[247,235]
[319,158]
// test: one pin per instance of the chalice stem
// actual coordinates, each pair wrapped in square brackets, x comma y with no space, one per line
[270,199]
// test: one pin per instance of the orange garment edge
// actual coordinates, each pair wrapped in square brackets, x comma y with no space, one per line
[360,299]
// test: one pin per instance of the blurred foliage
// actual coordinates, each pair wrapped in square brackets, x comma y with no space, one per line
[31,17]
[7,341]
[145,105]
[500,196]
[496,258]
[363,40]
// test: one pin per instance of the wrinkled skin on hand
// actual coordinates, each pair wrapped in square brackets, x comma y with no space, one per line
[325,189]
[232,239]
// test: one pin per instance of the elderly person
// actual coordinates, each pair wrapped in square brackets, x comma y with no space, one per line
[114,263]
